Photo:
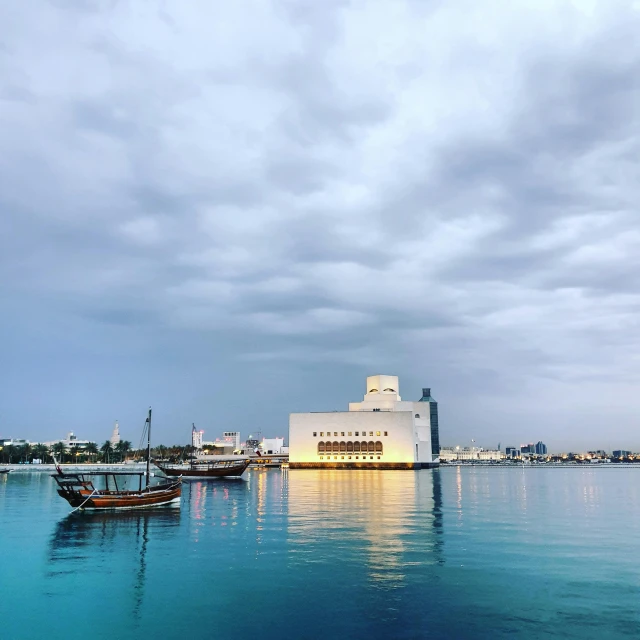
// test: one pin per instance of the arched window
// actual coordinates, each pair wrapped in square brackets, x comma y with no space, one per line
[417,415]
[373,391]
[327,447]
[372,447]
[349,447]
[378,447]
[336,447]
[356,447]
[320,447]
[343,447]
[363,447]
[392,390]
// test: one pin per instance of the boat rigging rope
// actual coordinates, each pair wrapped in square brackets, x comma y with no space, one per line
[85,502]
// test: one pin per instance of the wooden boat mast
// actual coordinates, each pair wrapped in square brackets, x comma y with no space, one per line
[148,447]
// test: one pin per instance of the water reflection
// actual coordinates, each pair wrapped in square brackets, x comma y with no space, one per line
[110,542]
[205,497]
[392,520]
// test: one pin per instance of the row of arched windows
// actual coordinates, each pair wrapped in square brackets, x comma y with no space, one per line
[349,447]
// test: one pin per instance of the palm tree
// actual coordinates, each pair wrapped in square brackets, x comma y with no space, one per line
[26,452]
[123,447]
[40,452]
[10,451]
[59,449]
[107,450]
[75,452]
[91,449]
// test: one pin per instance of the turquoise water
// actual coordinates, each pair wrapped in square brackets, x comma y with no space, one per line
[452,553]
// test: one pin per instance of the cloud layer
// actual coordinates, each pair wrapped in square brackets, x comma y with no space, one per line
[240,210]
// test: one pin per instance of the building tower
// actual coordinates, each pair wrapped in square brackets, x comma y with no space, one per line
[433,415]
[115,436]
[196,438]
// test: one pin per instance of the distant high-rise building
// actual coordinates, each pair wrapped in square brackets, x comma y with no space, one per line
[541,449]
[512,452]
[196,438]
[621,453]
[115,436]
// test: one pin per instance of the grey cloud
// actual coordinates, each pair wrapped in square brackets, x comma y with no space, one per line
[273,226]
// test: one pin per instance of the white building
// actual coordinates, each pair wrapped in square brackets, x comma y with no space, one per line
[13,442]
[232,438]
[196,438]
[470,454]
[382,431]
[273,446]
[115,436]
[70,441]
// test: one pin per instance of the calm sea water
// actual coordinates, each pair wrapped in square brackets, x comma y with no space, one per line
[455,553]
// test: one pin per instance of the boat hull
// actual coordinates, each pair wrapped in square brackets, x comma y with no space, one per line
[89,501]
[206,471]
[110,504]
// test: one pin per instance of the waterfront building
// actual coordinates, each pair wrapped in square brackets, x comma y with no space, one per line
[70,441]
[433,421]
[115,435]
[512,452]
[470,454]
[13,442]
[273,446]
[232,438]
[621,453]
[382,431]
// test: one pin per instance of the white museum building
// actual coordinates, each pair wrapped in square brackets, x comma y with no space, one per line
[381,432]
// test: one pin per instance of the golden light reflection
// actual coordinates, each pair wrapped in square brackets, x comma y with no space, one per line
[393,518]
[261,481]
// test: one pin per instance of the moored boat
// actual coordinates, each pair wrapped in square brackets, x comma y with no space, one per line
[203,469]
[83,490]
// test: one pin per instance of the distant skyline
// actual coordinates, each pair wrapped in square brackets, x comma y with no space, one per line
[234,211]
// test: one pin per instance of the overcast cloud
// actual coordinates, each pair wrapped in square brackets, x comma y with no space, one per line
[232,211]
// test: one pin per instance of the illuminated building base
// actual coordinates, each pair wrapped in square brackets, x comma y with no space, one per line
[381,432]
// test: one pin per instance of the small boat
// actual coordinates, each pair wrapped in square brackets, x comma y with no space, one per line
[80,490]
[203,469]
[6,470]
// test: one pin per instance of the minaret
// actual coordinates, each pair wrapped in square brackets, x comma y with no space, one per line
[115,436]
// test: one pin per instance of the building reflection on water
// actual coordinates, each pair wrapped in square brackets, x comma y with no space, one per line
[391,519]
[203,500]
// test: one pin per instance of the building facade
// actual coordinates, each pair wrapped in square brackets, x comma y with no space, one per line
[273,446]
[541,448]
[382,432]
[196,438]
[70,441]
[232,438]
[470,454]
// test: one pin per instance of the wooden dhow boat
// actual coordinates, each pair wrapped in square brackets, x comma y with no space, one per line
[203,469]
[84,490]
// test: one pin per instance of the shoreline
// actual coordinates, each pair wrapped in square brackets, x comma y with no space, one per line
[75,468]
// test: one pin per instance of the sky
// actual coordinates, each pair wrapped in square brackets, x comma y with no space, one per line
[231,211]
